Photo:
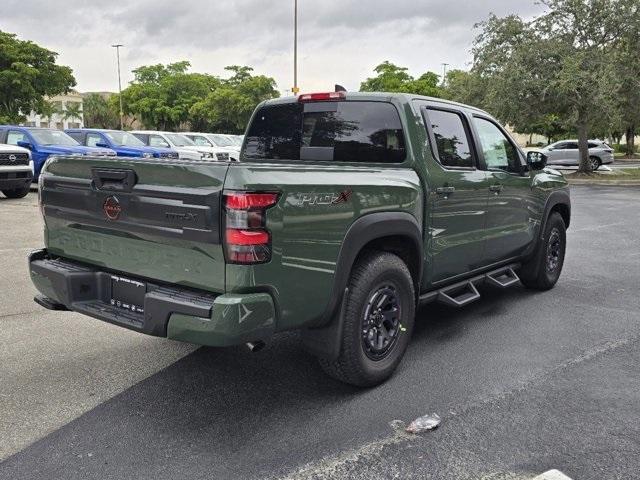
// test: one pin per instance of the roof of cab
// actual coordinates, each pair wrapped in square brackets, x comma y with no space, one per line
[383,96]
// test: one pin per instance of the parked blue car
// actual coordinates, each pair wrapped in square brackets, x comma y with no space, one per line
[44,142]
[123,143]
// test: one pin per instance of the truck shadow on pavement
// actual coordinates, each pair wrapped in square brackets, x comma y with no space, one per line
[235,413]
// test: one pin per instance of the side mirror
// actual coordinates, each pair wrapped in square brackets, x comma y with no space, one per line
[536,160]
[102,145]
[550,148]
[25,145]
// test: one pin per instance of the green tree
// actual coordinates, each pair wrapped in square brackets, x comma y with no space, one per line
[392,78]
[627,92]
[73,111]
[28,74]
[48,110]
[99,112]
[466,87]
[559,63]
[161,96]
[229,107]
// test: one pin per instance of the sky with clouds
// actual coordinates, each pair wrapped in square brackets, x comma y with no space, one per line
[338,41]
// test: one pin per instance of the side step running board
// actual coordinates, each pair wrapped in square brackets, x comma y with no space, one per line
[462,293]
[503,278]
[459,295]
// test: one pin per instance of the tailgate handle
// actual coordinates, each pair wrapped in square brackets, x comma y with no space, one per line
[111,179]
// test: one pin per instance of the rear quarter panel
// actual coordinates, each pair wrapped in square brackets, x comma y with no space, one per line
[308,226]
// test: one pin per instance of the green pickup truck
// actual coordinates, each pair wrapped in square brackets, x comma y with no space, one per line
[345,213]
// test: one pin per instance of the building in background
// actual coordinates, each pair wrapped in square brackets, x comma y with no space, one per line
[66,113]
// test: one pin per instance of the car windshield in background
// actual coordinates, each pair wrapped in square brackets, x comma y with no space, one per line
[179,140]
[53,137]
[221,140]
[124,139]
[327,131]
[236,140]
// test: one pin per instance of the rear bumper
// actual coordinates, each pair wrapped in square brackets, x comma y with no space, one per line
[173,312]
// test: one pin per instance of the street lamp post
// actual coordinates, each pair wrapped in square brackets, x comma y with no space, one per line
[295,88]
[117,47]
[444,74]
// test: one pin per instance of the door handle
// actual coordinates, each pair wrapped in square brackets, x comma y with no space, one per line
[445,190]
[496,188]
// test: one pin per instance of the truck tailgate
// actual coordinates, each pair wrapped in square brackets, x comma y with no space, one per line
[158,220]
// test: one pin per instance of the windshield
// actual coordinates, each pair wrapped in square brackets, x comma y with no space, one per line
[124,139]
[53,137]
[331,131]
[179,140]
[221,140]
[236,139]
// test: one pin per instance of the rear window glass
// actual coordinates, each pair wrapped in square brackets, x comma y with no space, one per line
[327,131]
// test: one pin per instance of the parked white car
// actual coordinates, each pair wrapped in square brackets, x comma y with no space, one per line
[16,171]
[565,152]
[179,142]
[216,140]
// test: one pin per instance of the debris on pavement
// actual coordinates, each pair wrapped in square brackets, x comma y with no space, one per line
[426,422]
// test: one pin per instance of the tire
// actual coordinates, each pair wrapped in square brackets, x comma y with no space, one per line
[17,192]
[360,363]
[543,270]
[595,163]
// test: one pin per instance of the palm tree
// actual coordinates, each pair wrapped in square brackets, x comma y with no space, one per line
[73,111]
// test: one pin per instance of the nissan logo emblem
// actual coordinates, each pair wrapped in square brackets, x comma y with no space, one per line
[12,158]
[112,208]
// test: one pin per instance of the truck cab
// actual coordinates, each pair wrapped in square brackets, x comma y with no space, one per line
[44,142]
[123,143]
[345,212]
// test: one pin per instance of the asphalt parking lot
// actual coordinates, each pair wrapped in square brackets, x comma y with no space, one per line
[524,382]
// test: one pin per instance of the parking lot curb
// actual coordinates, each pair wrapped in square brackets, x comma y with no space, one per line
[603,182]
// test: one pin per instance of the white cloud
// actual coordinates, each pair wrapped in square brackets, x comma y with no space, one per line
[339,41]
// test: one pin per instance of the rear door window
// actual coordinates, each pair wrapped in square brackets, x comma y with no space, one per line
[327,131]
[452,141]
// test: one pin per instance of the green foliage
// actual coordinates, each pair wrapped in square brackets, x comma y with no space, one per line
[100,112]
[229,107]
[392,78]
[466,87]
[558,67]
[161,96]
[73,111]
[28,73]
[168,97]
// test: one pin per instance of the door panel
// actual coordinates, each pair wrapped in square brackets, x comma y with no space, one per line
[458,196]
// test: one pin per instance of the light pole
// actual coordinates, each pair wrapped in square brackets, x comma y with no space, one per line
[295,88]
[117,47]
[444,74]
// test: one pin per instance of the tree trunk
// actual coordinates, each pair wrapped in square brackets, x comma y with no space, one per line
[583,148]
[630,136]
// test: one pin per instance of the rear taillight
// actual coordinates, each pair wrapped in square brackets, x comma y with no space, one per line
[246,238]
[321,97]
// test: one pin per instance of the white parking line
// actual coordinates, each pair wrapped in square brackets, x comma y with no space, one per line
[552,475]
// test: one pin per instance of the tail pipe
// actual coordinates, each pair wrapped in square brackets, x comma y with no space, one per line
[256,346]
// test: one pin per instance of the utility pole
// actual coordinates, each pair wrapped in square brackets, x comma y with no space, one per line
[295,88]
[117,47]
[444,74]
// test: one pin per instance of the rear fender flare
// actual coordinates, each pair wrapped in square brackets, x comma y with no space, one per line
[323,337]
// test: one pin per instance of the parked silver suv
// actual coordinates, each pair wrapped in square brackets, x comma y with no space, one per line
[565,152]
